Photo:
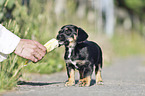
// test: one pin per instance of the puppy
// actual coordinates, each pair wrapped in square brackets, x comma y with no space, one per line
[80,54]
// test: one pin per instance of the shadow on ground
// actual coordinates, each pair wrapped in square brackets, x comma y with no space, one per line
[37,83]
[34,83]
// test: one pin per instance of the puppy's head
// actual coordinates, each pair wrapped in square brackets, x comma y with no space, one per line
[69,35]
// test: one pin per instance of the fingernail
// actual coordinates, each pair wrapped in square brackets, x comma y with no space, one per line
[35,60]
[40,58]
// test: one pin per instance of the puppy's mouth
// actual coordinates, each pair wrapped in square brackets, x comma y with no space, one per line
[64,40]
[68,42]
[61,43]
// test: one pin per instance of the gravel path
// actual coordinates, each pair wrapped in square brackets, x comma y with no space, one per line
[125,77]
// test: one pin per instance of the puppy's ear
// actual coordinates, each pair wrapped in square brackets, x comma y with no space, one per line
[82,35]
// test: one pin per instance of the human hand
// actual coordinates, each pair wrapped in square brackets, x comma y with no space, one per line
[30,49]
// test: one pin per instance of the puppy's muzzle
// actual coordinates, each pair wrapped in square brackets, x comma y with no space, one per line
[61,37]
[62,40]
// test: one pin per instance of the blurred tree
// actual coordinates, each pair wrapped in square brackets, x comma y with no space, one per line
[6,9]
[26,2]
[81,8]
[108,10]
[136,10]
[60,7]
[105,16]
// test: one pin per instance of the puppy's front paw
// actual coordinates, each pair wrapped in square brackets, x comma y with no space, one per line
[70,83]
[83,83]
[100,83]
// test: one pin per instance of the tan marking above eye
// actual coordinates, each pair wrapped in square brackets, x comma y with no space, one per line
[66,28]
[71,39]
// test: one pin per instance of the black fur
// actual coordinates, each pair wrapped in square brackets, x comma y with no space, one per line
[80,53]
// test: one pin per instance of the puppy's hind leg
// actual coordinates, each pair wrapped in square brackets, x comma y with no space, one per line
[85,77]
[99,80]
[71,76]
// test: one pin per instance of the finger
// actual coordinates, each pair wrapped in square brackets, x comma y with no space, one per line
[41,52]
[36,52]
[37,55]
[30,57]
[28,54]
[33,58]
[40,46]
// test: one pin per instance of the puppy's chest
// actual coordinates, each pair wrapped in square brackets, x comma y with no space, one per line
[72,54]
[75,57]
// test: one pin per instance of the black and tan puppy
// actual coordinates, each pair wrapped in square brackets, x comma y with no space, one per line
[80,54]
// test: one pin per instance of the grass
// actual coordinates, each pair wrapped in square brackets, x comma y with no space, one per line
[128,44]
[10,72]
[52,62]
[11,68]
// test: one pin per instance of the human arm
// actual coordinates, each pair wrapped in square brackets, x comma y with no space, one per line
[23,47]
[8,42]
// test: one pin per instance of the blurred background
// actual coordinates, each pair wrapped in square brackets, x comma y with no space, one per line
[118,26]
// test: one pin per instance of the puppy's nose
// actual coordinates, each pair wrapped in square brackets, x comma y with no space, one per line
[61,37]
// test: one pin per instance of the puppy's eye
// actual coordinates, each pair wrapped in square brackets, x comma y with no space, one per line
[61,37]
[68,32]
[60,32]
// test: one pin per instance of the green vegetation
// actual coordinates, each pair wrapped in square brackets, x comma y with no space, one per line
[128,44]
[32,24]
[10,69]
[10,72]
[136,5]
[39,22]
